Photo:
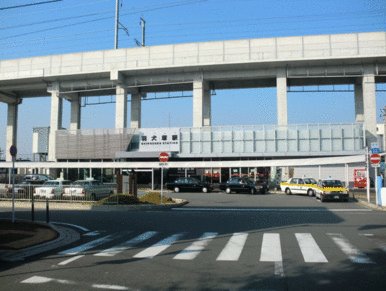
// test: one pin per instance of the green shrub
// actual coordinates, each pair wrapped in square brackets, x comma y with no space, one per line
[127,199]
[155,198]
[123,199]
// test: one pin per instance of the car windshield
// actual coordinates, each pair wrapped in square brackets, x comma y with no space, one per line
[24,183]
[78,183]
[309,181]
[332,183]
[193,181]
[249,181]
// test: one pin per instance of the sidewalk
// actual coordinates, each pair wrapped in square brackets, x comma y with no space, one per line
[361,196]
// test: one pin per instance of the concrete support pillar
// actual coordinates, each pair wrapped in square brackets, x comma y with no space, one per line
[56,119]
[75,114]
[281,89]
[121,107]
[369,104]
[201,104]
[207,107]
[12,117]
[358,96]
[135,110]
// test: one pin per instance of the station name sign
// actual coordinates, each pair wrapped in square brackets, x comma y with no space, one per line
[159,139]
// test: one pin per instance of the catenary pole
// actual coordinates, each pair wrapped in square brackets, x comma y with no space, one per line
[116,23]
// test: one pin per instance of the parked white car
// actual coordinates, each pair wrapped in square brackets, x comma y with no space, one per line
[89,189]
[51,189]
[299,186]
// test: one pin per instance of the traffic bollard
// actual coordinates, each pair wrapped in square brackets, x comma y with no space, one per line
[32,208]
[47,212]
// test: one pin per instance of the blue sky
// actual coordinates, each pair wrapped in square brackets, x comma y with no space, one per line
[69,26]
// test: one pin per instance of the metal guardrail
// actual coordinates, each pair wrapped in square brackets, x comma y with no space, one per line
[26,192]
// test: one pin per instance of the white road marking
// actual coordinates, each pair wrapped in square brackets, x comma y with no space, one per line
[126,245]
[196,247]
[42,280]
[109,287]
[279,269]
[352,252]
[92,244]
[379,242]
[93,233]
[271,248]
[70,260]
[270,209]
[310,249]
[158,247]
[233,248]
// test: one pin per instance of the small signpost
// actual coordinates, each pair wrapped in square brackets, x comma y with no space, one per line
[375,148]
[13,152]
[163,158]
[375,159]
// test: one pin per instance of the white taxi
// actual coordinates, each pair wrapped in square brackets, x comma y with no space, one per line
[299,186]
[331,189]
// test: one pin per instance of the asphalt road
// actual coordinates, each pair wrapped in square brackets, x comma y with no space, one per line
[216,242]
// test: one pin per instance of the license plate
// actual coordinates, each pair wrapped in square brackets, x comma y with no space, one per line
[43,191]
[336,197]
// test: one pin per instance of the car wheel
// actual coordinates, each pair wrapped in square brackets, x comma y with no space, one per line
[310,192]
[322,199]
[262,191]
[253,191]
[204,190]
[288,191]
[176,189]
[228,190]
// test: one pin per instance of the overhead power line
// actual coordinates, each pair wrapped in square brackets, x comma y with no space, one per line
[161,6]
[31,4]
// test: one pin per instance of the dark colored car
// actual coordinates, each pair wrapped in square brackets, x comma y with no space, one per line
[240,184]
[24,189]
[189,184]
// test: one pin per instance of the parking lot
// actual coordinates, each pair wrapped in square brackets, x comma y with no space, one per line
[271,199]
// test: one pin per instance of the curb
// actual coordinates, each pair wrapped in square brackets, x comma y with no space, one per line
[66,236]
[370,205]
[94,207]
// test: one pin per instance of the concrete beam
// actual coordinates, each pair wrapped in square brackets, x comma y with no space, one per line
[9,98]
[117,77]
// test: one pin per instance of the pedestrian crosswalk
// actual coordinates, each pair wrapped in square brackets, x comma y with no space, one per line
[186,249]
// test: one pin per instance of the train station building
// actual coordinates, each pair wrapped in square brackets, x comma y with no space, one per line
[273,152]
